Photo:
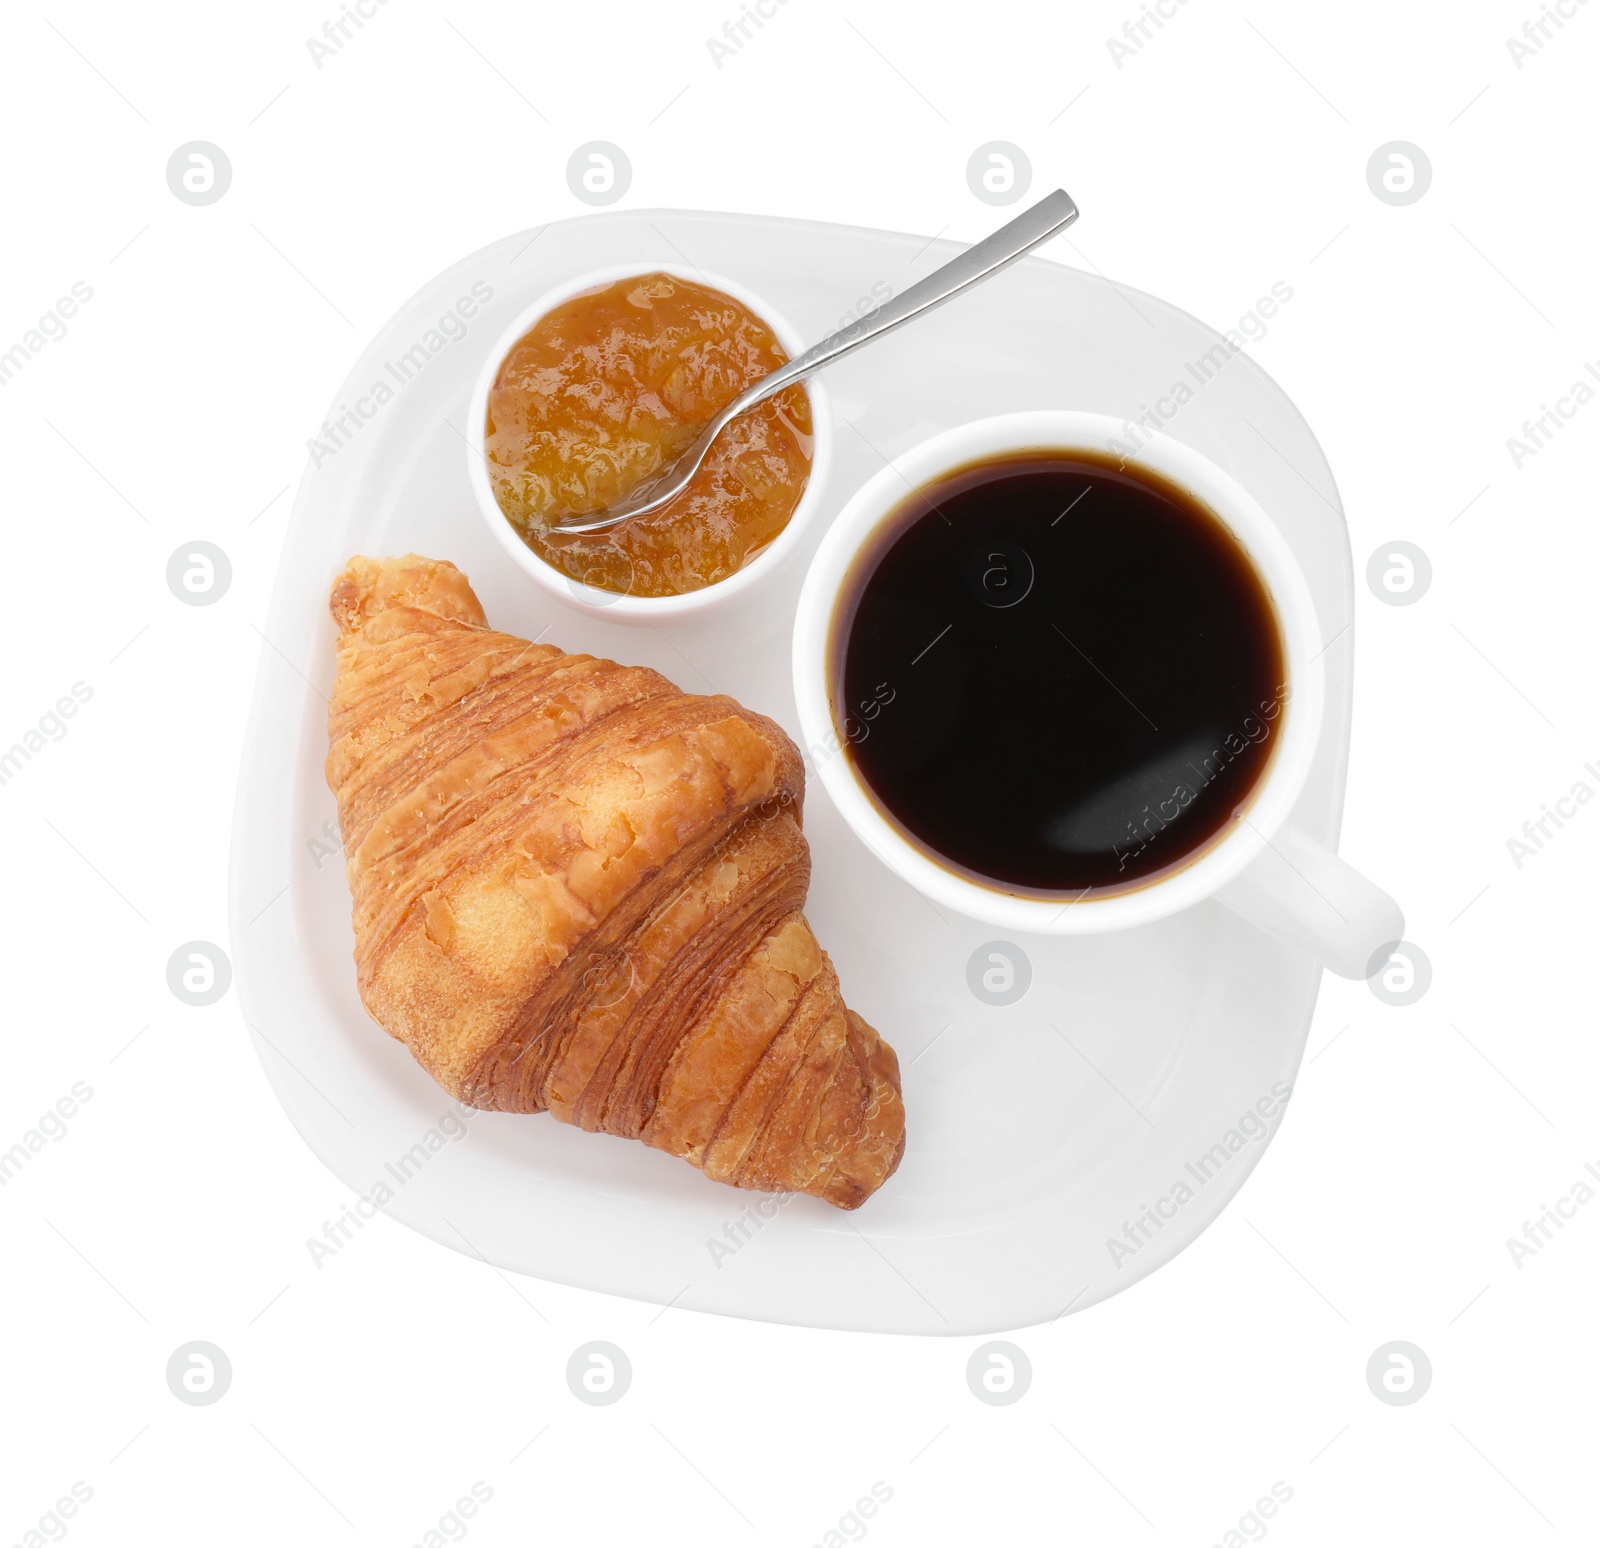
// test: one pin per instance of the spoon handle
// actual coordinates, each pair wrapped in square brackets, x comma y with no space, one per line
[1053,213]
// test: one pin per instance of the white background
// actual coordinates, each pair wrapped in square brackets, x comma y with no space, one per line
[1227,153]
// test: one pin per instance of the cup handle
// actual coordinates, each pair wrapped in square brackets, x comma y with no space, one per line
[1301,890]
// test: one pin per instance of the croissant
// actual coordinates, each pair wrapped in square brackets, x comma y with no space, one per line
[578,890]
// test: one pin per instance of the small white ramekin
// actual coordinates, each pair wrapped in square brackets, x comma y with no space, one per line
[613,605]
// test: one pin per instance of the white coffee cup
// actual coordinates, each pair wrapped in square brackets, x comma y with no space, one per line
[1263,866]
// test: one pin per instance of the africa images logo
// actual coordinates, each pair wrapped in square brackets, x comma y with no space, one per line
[1251,1128]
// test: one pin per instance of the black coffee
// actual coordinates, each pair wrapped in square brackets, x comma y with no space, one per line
[1057,675]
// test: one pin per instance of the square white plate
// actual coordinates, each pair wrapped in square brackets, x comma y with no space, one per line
[1060,1146]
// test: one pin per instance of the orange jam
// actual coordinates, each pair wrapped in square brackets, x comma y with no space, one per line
[603,392]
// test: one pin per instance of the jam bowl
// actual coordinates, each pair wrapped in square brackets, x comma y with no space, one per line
[610,600]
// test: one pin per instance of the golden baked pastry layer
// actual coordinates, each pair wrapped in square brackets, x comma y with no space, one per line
[578,890]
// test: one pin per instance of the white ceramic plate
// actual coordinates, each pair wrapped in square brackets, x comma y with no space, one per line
[1039,1131]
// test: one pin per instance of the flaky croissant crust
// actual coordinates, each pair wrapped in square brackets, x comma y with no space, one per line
[578,889]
